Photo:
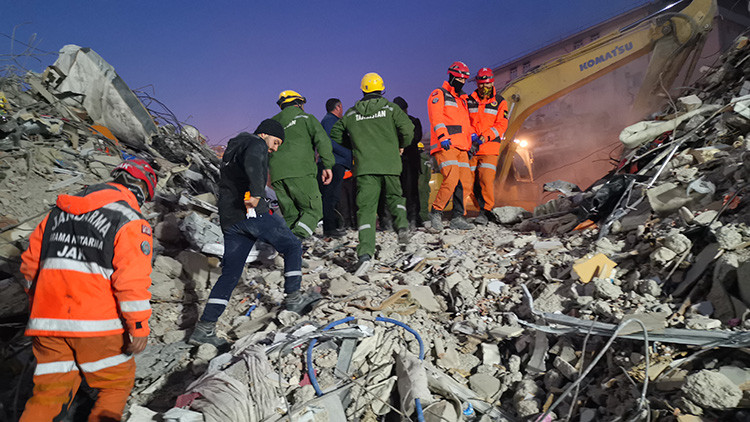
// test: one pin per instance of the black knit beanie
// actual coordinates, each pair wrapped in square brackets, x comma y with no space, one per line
[270,127]
[401,103]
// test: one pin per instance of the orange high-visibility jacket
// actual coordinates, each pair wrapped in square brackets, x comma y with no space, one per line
[88,266]
[449,118]
[489,118]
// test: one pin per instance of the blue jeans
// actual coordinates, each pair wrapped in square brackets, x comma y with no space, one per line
[238,240]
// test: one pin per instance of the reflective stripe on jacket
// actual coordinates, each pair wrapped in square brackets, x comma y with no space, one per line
[449,118]
[489,118]
[88,266]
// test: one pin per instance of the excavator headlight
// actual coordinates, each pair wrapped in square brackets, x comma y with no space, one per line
[522,143]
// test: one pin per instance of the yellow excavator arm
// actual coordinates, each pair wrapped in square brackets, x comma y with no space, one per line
[671,36]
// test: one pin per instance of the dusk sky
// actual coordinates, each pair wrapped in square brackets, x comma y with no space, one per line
[220,65]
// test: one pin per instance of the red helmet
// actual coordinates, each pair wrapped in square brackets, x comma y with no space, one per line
[485,75]
[459,70]
[141,170]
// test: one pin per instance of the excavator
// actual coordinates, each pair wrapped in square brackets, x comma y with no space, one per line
[670,36]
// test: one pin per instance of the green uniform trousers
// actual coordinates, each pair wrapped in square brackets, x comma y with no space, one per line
[368,193]
[300,203]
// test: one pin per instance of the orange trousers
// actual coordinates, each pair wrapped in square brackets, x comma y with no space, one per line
[62,361]
[454,166]
[483,170]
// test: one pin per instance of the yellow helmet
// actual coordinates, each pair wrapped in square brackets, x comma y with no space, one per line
[372,82]
[289,96]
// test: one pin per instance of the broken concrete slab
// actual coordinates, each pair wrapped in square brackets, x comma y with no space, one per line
[425,297]
[669,197]
[106,97]
[711,389]
[509,215]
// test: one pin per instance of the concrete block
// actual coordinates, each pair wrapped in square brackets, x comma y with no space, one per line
[509,215]
[195,265]
[712,389]
[606,290]
[490,354]
[662,256]
[340,287]
[705,154]
[485,385]
[689,103]
[425,297]
[668,197]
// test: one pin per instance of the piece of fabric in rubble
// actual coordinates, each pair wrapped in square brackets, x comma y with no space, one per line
[226,398]
[604,201]
[412,382]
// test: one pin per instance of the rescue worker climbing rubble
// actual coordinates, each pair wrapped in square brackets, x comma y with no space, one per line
[293,167]
[87,271]
[450,141]
[488,113]
[376,130]
[244,168]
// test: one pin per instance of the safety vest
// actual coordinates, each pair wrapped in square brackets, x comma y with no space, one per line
[489,118]
[88,266]
[449,118]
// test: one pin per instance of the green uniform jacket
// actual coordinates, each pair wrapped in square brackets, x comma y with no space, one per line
[303,135]
[374,129]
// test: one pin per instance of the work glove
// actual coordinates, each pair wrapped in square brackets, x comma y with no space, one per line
[476,139]
[445,144]
[473,150]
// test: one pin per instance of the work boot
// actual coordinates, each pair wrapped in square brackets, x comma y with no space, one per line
[301,303]
[481,218]
[363,265]
[335,233]
[460,223]
[436,220]
[403,236]
[205,332]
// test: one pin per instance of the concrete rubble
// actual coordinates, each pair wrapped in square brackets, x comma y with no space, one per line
[625,301]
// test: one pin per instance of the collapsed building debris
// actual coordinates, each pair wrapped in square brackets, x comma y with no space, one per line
[628,300]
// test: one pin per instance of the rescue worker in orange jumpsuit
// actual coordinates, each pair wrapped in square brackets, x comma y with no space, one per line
[450,141]
[488,113]
[87,272]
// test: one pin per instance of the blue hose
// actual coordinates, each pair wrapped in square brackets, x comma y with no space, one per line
[407,328]
[310,369]
[420,412]
[417,403]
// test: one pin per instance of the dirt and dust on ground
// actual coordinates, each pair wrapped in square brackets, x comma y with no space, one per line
[627,301]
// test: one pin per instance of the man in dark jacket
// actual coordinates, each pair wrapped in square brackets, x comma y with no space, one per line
[332,192]
[244,219]
[411,162]
[375,129]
